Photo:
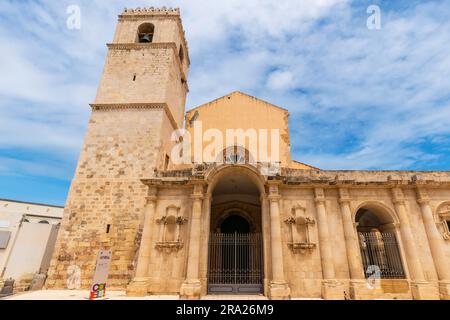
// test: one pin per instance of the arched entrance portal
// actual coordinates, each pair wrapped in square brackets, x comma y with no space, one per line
[235,249]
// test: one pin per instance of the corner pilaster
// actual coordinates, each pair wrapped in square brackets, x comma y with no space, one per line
[139,284]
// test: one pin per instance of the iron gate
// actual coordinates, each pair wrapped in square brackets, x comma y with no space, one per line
[381,249]
[235,263]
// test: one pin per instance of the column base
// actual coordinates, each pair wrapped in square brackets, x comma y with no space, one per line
[358,289]
[332,290]
[279,291]
[423,290]
[138,287]
[190,290]
[444,290]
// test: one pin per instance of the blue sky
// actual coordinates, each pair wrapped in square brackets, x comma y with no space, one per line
[358,98]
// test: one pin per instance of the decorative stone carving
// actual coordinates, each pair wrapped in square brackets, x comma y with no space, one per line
[444,216]
[300,224]
[170,229]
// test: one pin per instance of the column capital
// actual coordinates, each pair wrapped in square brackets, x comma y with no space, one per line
[422,196]
[423,201]
[151,199]
[344,201]
[319,200]
[195,196]
[319,196]
[344,196]
[274,197]
[273,188]
[152,194]
[398,197]
[400,202]
[198,192]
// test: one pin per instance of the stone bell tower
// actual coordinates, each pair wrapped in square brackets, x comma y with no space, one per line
[140,101]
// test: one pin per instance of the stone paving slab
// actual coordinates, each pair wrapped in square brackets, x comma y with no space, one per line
[80,295]
[120,295]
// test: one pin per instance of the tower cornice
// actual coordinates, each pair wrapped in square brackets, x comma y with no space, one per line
[119,106]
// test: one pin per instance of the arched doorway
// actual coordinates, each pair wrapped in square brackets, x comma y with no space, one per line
[235,224]
[378,243]
[235,248]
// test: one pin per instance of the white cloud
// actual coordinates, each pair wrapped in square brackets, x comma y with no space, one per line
[280,80]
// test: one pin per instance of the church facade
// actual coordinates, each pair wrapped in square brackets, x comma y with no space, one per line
[240,217]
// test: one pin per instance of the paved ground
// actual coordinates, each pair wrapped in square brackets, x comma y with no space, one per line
[78,295]
[117,295]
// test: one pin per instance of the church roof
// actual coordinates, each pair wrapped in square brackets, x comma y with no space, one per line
[237,93]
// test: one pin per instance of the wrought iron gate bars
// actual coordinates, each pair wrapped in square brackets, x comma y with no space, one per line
[235,263]
[381,249]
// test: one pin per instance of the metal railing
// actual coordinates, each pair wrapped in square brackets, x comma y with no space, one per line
[381,249]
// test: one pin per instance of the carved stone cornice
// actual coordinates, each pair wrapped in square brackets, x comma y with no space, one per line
[359,178]
[122,106]
[139,46]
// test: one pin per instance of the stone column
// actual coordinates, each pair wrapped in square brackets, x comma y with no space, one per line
[357,279]
[139,284]
[331,288]
[279,289]
[436,242]
[420,288]
[205,234]
[191,288]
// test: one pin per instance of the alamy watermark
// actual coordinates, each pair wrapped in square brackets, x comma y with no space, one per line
[73,21]
[258,147]
[374,19]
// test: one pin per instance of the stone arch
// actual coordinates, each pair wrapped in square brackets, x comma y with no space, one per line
[234,190]
[383,211]
[214,176]
[145,32]
[442,214]
[381,251]
[232,211]
[443,206]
